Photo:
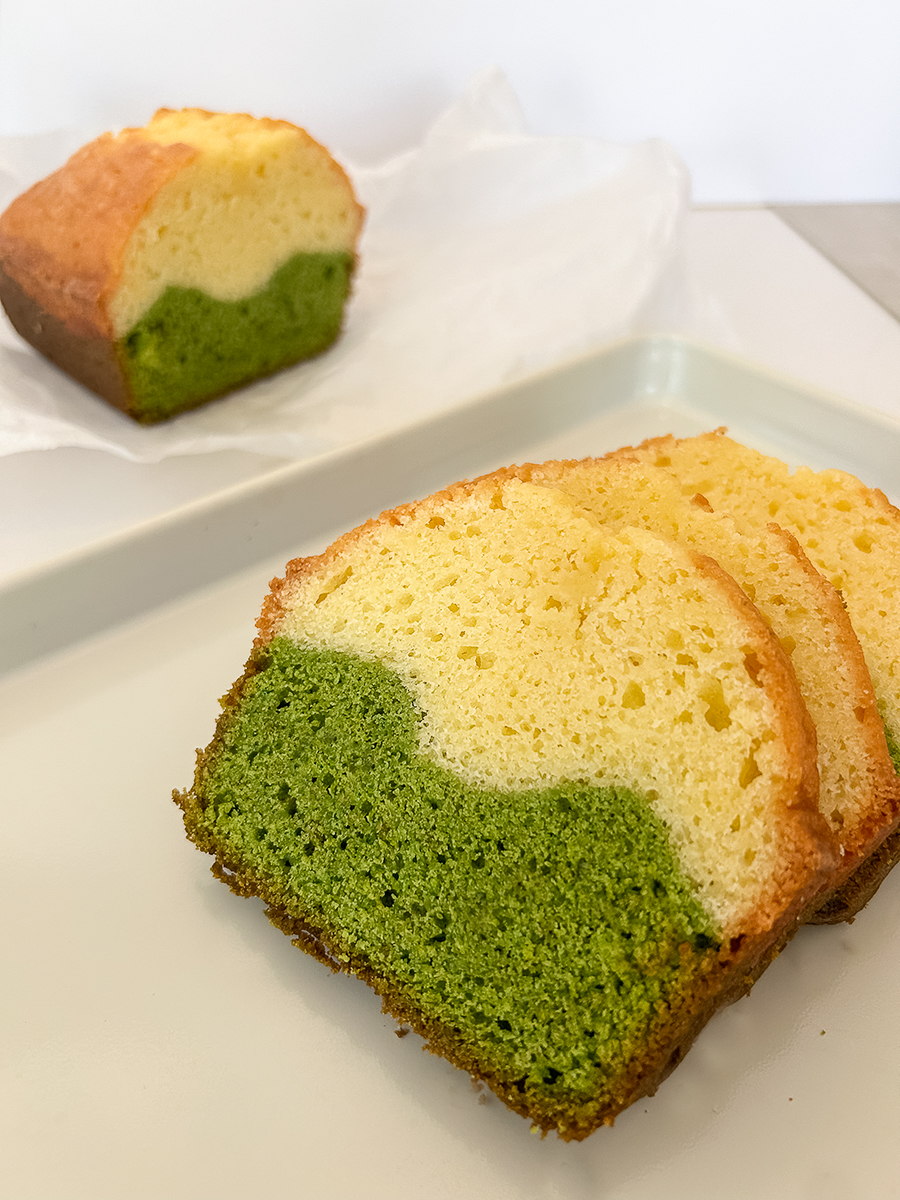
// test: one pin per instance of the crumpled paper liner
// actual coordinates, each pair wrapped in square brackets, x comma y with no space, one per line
[489,253]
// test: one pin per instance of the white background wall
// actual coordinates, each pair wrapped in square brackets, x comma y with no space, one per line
[765,99]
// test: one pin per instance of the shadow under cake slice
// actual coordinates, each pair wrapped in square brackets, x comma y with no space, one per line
[469,762]
[851,534]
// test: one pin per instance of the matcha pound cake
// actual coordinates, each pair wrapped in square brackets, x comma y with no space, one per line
[851,534]
[858,783]
[165,266]
[549,789]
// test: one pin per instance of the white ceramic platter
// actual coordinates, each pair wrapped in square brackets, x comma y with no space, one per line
[159,1039]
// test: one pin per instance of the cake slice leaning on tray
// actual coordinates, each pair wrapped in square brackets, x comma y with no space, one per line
[859,788]
[167,265]
[851,533]
[550,789]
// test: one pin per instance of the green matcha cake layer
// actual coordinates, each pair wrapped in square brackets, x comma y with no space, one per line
[190,347]
[548,928]
[893,747]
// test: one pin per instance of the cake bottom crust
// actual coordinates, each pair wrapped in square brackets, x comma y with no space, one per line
[847,901]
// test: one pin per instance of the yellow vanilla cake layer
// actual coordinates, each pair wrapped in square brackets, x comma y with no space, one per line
[255,193]
[850,532]
[541,647]
[804,610]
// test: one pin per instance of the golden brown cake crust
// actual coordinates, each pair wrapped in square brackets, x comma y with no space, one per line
[872,847]
[847,901]
[63,241]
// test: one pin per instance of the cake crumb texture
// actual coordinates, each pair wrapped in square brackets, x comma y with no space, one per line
[859,787]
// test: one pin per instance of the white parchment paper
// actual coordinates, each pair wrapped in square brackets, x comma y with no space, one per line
[488,253]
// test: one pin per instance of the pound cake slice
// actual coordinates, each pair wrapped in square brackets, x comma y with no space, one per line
[167,265]
[851,533]
[859,788]
[549,789]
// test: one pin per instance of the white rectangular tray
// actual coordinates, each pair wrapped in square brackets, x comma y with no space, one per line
[638,388]
[158,1038]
